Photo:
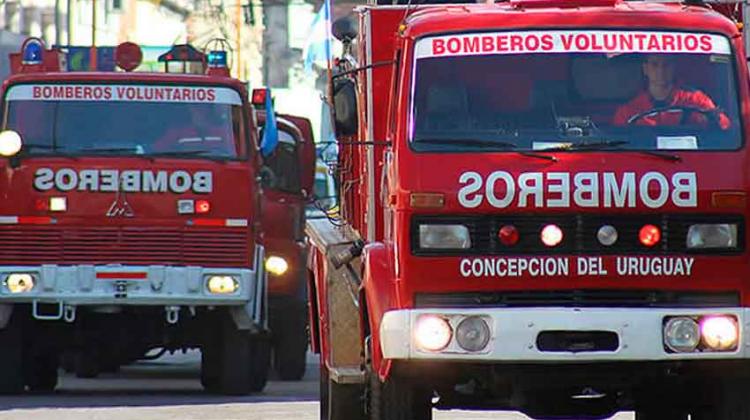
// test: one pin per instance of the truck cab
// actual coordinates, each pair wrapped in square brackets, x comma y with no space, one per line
[552,201]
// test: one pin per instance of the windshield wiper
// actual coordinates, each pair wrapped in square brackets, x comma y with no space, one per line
[491,143]
[604,145]
[591,145]
[110,150]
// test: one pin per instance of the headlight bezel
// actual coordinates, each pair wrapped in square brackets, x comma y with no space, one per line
[698,234]
[434,237]
[9,289]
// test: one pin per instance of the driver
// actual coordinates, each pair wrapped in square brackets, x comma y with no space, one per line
[662,93]
[204,129]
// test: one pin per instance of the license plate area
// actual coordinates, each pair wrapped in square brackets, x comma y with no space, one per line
[577,341]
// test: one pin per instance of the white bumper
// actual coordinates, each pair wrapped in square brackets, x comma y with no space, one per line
[514,334]
[136,285]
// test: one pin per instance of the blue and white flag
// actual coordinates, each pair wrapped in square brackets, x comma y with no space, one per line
[270,131]
[318,47]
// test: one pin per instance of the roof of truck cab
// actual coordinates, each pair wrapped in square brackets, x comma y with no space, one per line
[125,78]
[430,20]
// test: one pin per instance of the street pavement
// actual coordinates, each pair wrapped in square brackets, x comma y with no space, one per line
[168,389]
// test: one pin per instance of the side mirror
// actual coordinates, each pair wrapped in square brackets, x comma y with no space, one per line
[305,153]
[344,29]
[345,106]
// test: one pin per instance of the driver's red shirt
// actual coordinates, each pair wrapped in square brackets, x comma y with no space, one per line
[679,97]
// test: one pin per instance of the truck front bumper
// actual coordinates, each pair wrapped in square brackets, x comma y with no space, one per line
[515,333]
[119,285]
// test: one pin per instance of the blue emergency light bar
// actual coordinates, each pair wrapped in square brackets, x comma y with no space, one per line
[217,59]
[32,52]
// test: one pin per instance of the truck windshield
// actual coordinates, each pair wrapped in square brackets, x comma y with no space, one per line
[66,119]
[575,90]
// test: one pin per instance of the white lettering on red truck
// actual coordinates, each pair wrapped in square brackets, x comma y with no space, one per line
[112,180]
[580,266]
[529,42]
[501,189]
[123,93]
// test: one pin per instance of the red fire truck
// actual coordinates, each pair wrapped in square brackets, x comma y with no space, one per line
[544,206]
[129,220]
[287,176]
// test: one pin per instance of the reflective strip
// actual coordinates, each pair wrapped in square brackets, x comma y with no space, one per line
[26,220]
[219,222]
[109,275]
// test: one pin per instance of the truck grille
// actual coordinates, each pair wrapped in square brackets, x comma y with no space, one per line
[579,233]
[63,245]
[581,298]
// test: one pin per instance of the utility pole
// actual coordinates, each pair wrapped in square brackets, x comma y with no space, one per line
[70,22]
[57,22]
[238,24]
[92,53]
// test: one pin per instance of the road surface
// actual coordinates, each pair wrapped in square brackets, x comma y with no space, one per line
[168,389]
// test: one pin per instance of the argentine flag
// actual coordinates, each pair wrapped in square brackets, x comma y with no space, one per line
[318,47]
[270,131]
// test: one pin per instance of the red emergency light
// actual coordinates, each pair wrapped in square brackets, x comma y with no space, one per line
[128,56]
[259,97]
[649,235]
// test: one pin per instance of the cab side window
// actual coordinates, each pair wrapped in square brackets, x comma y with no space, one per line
[283,164]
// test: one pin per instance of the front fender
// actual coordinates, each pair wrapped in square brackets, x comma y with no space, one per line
[377,295]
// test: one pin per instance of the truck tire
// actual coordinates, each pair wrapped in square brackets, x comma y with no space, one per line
[41,375]
[87,363]
[290,345]
[11,359]
[243,361]
[210,365]
[397,399]
[730,402]
[339,401]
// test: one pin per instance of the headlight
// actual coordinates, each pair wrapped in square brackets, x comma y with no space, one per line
[720,333]
[473,333]
[444,237]
[222,285]
[276,265]
[682,334]
[707,236]
[432,332]
[19,283]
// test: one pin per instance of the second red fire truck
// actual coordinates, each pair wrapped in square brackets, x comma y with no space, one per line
[129,219]
[545,206]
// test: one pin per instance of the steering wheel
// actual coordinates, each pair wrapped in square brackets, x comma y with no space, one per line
[712,115]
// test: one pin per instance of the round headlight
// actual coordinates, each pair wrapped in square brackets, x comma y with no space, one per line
[276,265]
[432,332]
[473,333]
[720,332]
[20,283]
[682,335]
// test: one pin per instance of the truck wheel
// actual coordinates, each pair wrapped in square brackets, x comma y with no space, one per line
[244,360]
[290,345]
[397,399]
[210,365]
[87,363]
[260,357]
[11,359]
[730,402]
[339,401]
[42,372]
